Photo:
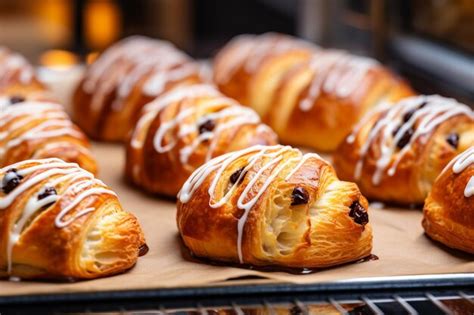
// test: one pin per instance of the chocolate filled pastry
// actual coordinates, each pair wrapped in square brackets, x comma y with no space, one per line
[184,128]
[396,152]
[273,206]
[57,221]
[448,211]
[309,96]
[17,75]
[129,74]
[37,130]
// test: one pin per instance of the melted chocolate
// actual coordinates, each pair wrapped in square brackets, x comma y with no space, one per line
[143,250]
[358,213]
[299,196]
[16,99]
[405,139]
[48,191]
[11,180]
[206,126]
[408,115]
[235,176]
[453,140]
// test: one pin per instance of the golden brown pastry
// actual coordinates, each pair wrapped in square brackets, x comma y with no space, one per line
[310,97]
[244,57]
[273,205]
[58,221]
[396,152]
[123,79]
[183,129]
[449,208]
[17,75]
[36,130]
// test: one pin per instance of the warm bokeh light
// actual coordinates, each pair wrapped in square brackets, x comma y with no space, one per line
[91,57]
[58,59]
[102,23]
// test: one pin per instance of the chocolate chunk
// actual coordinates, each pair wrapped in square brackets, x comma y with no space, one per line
[405,139]
[299,196]
[409,114]
[206,126]
[48,191]
[11,180]
[453,140]
[358,213]
[235,176]
[422,104]
[143,250]
[394,132]
[16,99]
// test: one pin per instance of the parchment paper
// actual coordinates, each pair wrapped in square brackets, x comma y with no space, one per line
[399,242]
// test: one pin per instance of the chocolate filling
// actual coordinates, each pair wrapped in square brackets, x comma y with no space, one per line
[405,139]
[48,191]
[206,126]
[235,176]
[16,99]
[143,250]
[11,180]
[358,213]
[299,196]
[453,140]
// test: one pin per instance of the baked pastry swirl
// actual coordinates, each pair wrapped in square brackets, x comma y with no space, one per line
[396,152]
[448,210]
[184,128]
[36,130]
[273,205]
[17,75]
[309,96]
[123,79]
[58,221]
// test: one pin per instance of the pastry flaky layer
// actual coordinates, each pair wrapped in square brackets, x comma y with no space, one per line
[273,205]
[58,221]
[309,96]
[448,213]
[36,130]
[123,79]
[17,75]
[184,128]
[396,152]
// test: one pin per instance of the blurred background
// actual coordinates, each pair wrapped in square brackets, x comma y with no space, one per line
[431,42]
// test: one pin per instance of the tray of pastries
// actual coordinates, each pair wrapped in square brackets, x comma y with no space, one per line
[289,163]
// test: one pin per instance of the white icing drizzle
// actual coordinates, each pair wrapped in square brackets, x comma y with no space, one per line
[127,62]
[337,73]
[249,51]
[82,185]
[462,162]
[221,108]
[12,63]
[53,122]
[436,110]
[272,159]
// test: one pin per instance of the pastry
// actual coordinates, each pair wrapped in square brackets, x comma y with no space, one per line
[123,79]
[17,75]
[448,210]
[273,205]
[36,130]
[396,152]
[245,56]
[309,96]
[184,128]
[57,221]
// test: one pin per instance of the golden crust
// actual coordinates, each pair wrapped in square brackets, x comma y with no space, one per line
[106,104]
[420,162]
[448,212]
[36,130]
[165,172]
[319,233]
[283,80]
[100,242]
